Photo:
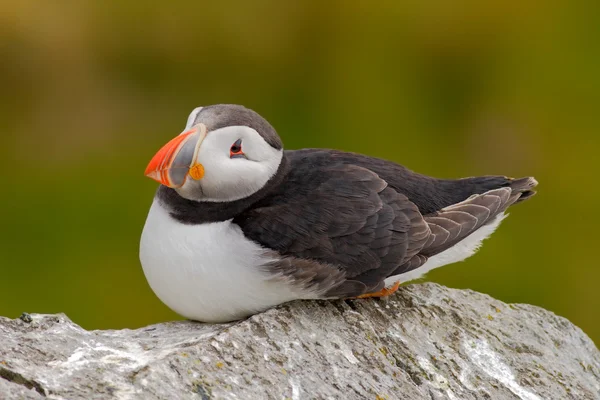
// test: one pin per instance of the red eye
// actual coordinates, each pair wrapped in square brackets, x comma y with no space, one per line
[236,149]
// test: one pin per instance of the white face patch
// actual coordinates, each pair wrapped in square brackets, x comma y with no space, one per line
[229,179]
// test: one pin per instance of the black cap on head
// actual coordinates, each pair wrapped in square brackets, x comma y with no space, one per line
[222,115]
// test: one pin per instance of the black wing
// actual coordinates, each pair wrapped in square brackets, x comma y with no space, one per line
[368,218]
[339,215]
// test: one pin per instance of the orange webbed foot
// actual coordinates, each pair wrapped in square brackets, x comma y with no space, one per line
[382,293]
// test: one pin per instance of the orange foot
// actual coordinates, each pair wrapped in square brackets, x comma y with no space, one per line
[382,293]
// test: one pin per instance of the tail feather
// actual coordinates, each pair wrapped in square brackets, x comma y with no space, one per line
[523,187]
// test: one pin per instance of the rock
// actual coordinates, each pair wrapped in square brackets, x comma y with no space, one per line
[427,341]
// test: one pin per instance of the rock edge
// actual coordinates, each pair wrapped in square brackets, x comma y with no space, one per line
[427,341]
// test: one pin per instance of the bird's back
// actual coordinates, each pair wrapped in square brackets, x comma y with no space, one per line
[429,194]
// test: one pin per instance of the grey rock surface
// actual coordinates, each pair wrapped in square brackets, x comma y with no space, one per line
[425,342]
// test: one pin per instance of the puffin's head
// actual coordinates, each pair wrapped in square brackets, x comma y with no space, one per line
[225,153]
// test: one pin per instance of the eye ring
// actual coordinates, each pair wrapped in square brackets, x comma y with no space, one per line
[236,149]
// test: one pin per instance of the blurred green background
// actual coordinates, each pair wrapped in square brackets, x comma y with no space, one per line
[90,90]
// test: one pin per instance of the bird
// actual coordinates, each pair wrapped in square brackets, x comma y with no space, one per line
[239,225]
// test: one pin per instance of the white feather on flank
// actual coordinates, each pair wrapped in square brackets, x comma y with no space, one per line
[459,252]
[209,272]
[192,118]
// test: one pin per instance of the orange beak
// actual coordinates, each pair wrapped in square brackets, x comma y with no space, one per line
[177,159]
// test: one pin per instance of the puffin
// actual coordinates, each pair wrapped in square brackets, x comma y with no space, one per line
[239,225]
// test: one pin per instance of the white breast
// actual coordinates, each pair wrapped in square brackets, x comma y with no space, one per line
[208,272]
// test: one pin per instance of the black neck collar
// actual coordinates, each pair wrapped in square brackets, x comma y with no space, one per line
[198,212]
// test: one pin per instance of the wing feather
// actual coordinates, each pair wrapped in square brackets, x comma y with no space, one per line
[346,217]
[454,223]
